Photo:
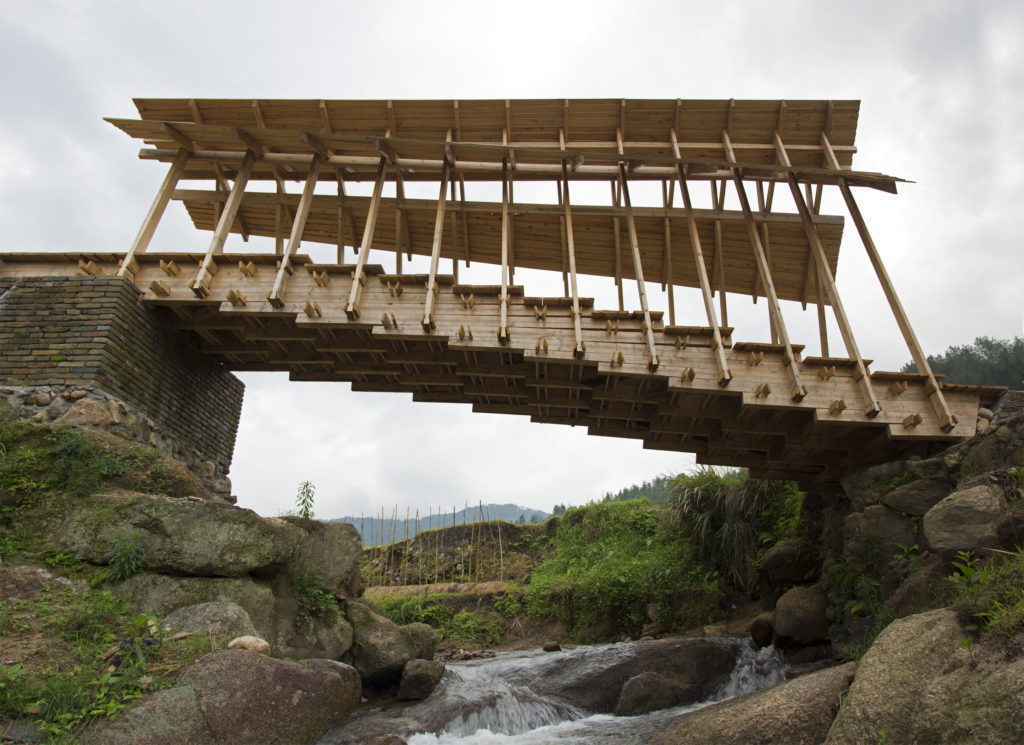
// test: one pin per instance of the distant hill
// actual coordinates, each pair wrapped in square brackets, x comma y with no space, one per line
[376,532]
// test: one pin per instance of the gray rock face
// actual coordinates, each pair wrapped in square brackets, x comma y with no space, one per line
[874,537]
[246,697]
[917,497]
[797,712]
[382,648]
[918,684]
[801,618]
[762,629]
[178,536]
[333,549]
[966,520]
[227,619]
[868,485]
[168,717]
[788,563]
[419,679]
[646,692]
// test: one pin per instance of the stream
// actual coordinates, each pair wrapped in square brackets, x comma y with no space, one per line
[500,700]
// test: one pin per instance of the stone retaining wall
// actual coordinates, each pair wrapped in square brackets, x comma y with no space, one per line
[85,350]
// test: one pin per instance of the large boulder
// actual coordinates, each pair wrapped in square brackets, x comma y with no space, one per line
[801,618]
[966,520]
[797,712]
[225,619]
[176,536]
[919,496]
[789,563]
[168,717]
[919,684]
[871,485]
[246,697]
[381,648]
[299,634]
[330,552]
[419,679]
[647,692]
[875,536]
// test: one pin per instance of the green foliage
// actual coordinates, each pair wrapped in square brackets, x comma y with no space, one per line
[127,558]
[15,691]
[657,491]
[473,628]
[732,517]
[987,361]
[304,499]
[509,603]
[482,628]
[314,602]
[609,561]
[990,595]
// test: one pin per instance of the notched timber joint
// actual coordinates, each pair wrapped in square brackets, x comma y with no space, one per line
[467,302]
[465,331]
[540,312]
[236,298]
[158,288]
[90,267]
[682,342]
[249,270]
[897,387]
[542,343]
[837,406]
[322,279]
[388,321]
[312,309]
[798,393]
[826,372]
[394,290]
[170,268]
[755,358]
[688,374]
[763,391]
[129,266]
[275,300]
[618,359]
[911,421]
[427,321]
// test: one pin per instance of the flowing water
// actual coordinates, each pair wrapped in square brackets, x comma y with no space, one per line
[485,702]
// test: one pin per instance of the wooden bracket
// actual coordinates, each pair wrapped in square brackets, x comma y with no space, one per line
[798,393]
[837,406]
[321,278]
[249,270]
[755,358]
[275,300]
[312,309]
[362,278]
[898,386]
[394,290]
[389,321]
[689,374]
[290,269]
[170,268]
[542,343]
[618,359]
[158,288]
[236,298]
[912,420]
[653,361]
[90,267]
[200,287]
[682,342]
[581,350]
[129,266]
[465,331]
[724,377]
[504,336]
[352,312]
[540,312]
[427,321]
[826,372]
[763,391]
[467,302]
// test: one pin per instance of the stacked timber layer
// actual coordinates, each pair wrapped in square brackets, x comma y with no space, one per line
[629,373]
[612,391]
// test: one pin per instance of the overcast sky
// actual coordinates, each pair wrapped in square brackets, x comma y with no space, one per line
[941,84]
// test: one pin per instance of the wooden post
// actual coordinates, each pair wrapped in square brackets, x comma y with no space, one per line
[947,420]
[638,269]
[503,332]
[617,230]
[298,225]
[200,285]
[435,252]
[352,306]
[792,367]
[578,349]
[871,405]
[724,376]
[156,211]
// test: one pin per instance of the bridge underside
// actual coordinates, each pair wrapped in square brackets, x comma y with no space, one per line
[628,372]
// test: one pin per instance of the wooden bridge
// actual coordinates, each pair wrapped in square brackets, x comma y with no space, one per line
[620,372]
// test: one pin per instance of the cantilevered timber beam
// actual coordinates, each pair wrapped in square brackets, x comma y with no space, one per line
[298,225]
[638,269]
[358,280]
[579,348]
[435,254]
[201,283]
[724,376]
[871,405]
[798,390]
[947,420]
[156,211]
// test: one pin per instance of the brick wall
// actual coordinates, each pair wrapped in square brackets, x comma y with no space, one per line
[93,332]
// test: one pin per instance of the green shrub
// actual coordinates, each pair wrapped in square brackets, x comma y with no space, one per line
[127,558]
[990,595]
[403,609]
[314,602]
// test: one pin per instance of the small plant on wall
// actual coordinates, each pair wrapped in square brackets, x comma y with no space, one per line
[304,499]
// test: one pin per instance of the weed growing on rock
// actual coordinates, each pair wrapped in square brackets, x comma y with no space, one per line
[314,602]
[990,595]
[304,500]
[127,558]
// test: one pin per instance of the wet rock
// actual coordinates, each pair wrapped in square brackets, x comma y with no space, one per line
[228,619]
[419,679]
[552,647]
[796,712]
[800,618]
[790,563]
[917,497]
[762,629]
[382,648]
[966,520]
[386,740]
[252,643]
[647,692]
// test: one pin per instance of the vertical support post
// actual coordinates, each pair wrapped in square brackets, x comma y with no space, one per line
[352,306]
[156,211]
[298,225]
[503,331]
[717,200]
[579,349]
[724,376]
[871,404]
[616,229]
[201,284]
[435,253]
[792,366]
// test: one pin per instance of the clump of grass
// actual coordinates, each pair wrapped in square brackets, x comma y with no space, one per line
[990,594]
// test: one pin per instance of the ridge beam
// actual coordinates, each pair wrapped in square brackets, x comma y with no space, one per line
[871,405]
